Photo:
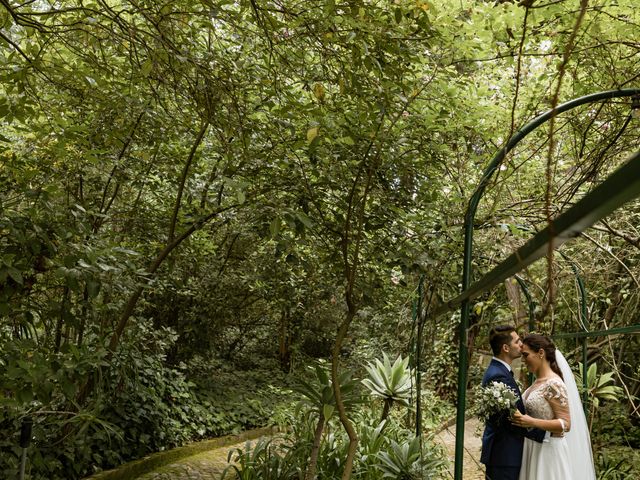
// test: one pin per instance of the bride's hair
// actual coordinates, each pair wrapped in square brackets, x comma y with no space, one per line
[537,342]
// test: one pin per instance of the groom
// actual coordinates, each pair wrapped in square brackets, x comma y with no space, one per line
[502,442]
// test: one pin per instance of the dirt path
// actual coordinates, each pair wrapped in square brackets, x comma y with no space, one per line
[473,469]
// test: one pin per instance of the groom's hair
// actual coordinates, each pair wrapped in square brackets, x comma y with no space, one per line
[499,336]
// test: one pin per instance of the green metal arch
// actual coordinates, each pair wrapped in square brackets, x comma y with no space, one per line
[468,249]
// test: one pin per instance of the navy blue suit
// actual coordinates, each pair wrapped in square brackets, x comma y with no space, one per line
[502,442]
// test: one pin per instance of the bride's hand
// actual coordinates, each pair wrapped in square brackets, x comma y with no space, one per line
[521,420]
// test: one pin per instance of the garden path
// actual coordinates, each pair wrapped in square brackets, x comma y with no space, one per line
[203,466]
[473,469]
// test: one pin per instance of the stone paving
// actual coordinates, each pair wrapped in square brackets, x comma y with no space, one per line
[203,466]
[210,465]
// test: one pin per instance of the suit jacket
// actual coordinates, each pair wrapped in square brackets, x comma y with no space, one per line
[502,442]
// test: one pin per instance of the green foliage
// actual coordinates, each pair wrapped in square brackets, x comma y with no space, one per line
[339,143]
[435,410]
[46,390]
[243,398]
[371,441]
[599,386]
[617,463]
[261,461]
[142,406]
[613,425]
[401,461]
[385,450]
[441,369]
[317,392]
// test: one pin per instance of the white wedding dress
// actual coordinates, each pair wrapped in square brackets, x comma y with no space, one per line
[567,457]
[548,460]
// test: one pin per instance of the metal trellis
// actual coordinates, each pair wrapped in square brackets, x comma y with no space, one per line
[620,187]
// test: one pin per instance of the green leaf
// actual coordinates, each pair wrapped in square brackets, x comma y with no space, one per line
[147,66]
[15,274]
[93,288]
[327,411]
[25,395]
[83,264]
[304,219]
[274,227]
[398,15]
[329,7]
[312,133]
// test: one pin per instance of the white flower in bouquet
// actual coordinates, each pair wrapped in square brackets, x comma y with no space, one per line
[493,399]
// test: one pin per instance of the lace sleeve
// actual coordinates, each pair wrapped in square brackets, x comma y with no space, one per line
[555,393]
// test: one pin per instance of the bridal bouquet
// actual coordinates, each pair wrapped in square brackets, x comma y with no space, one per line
[495,398]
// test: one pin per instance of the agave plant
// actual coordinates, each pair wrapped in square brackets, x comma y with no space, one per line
[401,461]
[409,461]
[371,442]
[374,437]
[390,382]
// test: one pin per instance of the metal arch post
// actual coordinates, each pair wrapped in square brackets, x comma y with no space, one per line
[463,361]
[584,323]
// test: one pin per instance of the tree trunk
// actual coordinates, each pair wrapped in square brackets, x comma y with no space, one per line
[83,316]
[183,180]
[63,308]
[284,350]
[346,423]
[315,449]
[388,402]
[513,294]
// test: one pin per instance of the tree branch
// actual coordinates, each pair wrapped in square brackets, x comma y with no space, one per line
[612,255]
[16,47]
[183,179]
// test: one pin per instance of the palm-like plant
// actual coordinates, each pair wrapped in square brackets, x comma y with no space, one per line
[599,387]
[260,462]
[609,469]
[390,382]
[318,395]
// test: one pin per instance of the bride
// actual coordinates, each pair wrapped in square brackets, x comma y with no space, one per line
[553,404]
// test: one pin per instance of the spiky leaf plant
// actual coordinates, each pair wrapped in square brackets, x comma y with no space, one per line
[391,382]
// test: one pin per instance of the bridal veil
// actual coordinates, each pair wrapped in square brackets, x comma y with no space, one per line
[578,439]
